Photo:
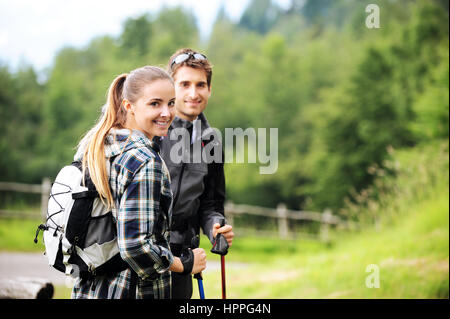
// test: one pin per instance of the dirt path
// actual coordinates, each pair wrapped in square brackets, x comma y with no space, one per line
[34,265]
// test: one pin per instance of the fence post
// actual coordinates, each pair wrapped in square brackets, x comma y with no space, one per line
[327,217]
[229,213]
[46,186]
[282,221]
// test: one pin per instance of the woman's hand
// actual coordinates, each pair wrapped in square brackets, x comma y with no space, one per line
[199,260]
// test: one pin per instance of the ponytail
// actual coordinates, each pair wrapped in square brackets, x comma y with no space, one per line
[114,115]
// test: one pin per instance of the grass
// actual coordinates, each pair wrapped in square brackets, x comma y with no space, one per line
[411,254]
[408,244]
[62,292]
[18,235]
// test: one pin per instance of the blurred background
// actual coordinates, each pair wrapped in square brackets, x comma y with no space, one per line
[362,117]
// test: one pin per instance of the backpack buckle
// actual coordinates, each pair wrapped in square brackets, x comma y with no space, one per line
[40,227]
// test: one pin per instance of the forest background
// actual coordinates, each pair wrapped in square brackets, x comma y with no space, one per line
[340,94]
[363,126]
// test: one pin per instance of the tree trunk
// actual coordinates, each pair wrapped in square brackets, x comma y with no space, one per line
[26,288]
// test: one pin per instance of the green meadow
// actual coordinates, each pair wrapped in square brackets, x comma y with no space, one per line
[404,254]
[400,250]
[412,255]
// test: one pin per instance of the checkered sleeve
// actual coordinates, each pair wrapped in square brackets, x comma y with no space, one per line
[137,218]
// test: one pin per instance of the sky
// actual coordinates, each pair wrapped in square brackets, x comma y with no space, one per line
[33,31]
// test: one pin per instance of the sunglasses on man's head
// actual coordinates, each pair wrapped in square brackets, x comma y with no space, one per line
[185,56]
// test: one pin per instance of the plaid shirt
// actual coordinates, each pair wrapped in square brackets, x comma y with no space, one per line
[140,185]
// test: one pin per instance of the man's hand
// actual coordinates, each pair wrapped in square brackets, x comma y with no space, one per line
[226,231]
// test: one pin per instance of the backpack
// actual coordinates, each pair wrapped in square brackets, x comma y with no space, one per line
[80,234]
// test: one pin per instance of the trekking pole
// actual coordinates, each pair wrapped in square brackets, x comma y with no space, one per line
[195,242]
[201,291]
[220,247]
[222,268]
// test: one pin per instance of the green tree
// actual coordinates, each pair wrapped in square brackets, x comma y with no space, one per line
[260,16]
[21,100]
[174,28]
[8,105]
[136,36]
[314,10]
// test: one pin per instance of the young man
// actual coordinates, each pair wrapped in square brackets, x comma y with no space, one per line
[198,184]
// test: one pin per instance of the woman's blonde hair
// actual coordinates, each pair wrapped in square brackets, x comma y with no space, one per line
[128,87]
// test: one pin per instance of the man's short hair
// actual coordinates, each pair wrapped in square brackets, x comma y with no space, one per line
[191,62]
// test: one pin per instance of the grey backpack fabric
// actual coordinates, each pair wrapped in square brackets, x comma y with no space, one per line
[80,234]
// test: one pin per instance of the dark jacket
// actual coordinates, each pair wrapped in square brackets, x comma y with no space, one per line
[198,188]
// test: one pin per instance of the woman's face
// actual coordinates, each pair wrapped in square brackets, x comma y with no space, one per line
[154,111]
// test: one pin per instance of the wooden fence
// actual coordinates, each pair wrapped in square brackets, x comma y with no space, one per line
[281,214]
[43,189]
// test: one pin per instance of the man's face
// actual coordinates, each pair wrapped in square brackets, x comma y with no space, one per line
[192,92]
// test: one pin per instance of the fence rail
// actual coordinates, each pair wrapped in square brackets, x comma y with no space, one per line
[43,189]
[281,213]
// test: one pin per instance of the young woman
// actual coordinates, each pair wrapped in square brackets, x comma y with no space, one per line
[133,180]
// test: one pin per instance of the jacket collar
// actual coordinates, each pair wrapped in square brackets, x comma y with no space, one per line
[179,122]
[206,129]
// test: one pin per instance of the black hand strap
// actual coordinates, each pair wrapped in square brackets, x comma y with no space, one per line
[187,259]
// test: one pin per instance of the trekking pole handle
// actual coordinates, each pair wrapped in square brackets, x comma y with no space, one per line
[220,245]
[198,276]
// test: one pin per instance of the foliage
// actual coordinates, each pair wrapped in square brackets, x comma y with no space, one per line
[412,256]
[340,94]
[260,16]
[405,233]
[21,122]
[406,176]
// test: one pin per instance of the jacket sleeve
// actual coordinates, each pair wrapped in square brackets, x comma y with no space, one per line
[137,216]
[211,209]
